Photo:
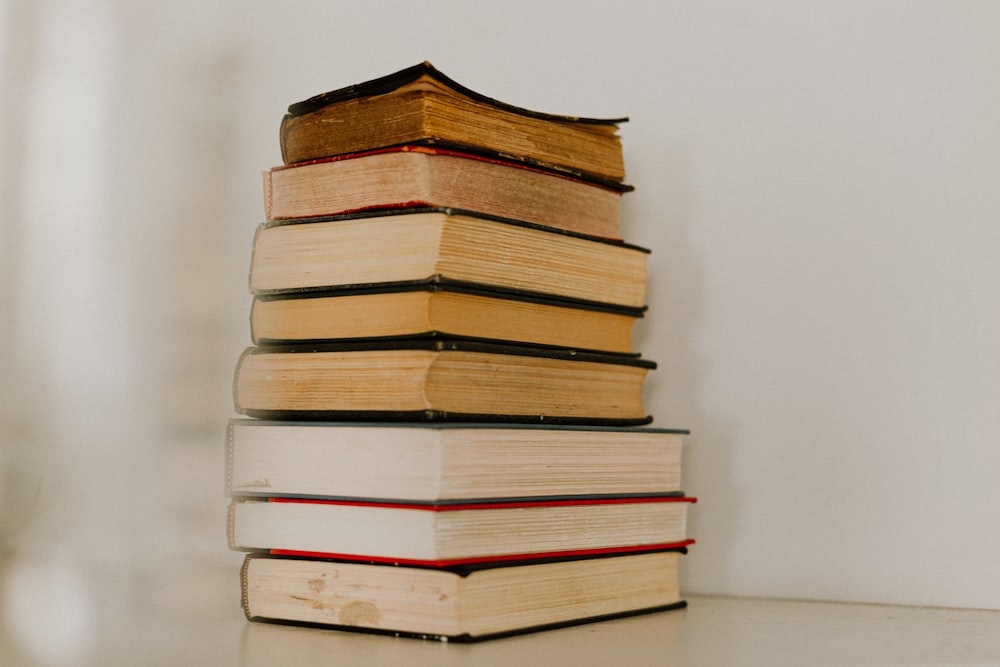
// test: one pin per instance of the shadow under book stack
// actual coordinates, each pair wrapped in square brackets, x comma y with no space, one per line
[443,432]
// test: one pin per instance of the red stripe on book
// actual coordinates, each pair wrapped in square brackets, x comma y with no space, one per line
[431,150]
[486,559]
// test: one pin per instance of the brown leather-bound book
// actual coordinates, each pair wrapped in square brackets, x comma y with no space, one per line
[420,104]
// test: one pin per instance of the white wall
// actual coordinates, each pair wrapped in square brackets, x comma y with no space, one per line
[817,182]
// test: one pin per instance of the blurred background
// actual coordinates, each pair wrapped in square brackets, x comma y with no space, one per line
[817,182]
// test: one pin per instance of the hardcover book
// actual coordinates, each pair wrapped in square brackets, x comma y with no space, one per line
[413,245]
[438,309]
[448,462]
[459,604]
[420,104]
[445,534]
[424,176]
[439,379]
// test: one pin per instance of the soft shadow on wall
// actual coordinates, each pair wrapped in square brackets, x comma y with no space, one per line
[661,214]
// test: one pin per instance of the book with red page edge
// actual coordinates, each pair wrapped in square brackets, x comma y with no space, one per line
[455,152]
[411,175]
[462,506]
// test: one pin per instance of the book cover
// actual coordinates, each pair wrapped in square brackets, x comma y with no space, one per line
[403,246]
[455,533]
[420,104]
[447,461]
[439,308]
[393,81]
[432,379]
[463,604]
[411,176]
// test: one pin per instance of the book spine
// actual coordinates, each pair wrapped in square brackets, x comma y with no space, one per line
[230,434]
[253,255]
[268,195]
[245,586]
[253,334]
[231,527]
[282,134]
[236,380]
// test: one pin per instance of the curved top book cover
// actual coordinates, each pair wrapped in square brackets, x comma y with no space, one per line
[421,105]
[391,82]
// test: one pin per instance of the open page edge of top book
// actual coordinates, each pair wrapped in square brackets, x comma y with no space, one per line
[602,130]
[391,82]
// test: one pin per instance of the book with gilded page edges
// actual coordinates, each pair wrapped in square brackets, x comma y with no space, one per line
[420,105]
[432,379]
[386,248]
[437,308]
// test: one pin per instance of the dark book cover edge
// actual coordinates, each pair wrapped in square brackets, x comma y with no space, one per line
[434,416]
[445,345]
[482,503]
[428,335]
[514,501]
[449,211]
[468,639]
[455,425]
[440,283]
[390,82]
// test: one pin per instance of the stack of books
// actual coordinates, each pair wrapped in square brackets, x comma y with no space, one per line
[443,431]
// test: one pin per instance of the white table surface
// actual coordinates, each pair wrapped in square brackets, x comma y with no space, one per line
[202,624]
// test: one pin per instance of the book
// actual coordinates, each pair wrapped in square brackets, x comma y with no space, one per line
[458,604]
[442,462]
[426,176]
[445,534]
[445,245]
[439,309]
[420,104]
[415,379]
